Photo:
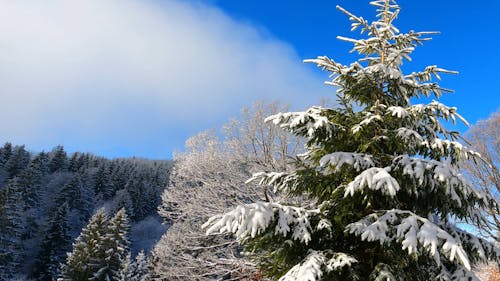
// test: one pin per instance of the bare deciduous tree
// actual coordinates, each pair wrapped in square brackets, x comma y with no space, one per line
[485,138]
[209,178]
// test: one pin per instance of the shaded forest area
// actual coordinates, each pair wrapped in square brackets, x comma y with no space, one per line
[47,198]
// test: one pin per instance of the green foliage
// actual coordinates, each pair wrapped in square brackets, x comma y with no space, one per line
[380,176]
[100,250]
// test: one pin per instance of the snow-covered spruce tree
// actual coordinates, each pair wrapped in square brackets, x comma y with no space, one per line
[134,270]
[116,245]
[382,174]
[100,250]
[88,251]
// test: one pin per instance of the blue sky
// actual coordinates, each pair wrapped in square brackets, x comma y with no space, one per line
[136,78]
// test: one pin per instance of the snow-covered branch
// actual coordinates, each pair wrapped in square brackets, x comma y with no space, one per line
[373,179]
[413,232]
[307,123]
[336,160]
[439,174]
[250,220]
[316,263]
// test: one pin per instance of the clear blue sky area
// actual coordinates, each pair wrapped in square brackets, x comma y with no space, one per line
[123,78]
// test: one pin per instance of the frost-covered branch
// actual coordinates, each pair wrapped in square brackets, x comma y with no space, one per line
[316,263]
[250,220]
[438,174]
[336,160]
[307,124]
[280,181]
[373,179]
[413,232]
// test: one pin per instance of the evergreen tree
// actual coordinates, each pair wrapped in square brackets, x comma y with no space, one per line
[116,247]
[381,176]
[76,162]
[59,160]
[126,269]
[136,270]
[120,176]
[5,153]
[141,268]
[77,195]
[11,232]
[103,185]
[54,246]
[40,163]
[88,251]
[100,250]
[33,191]
[122,200]
[29,182]
[137,188]
[18,160]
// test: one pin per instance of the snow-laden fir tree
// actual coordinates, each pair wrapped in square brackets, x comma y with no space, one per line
[88,251]
[381,175]
[134,270]
[116,244]
[100,250]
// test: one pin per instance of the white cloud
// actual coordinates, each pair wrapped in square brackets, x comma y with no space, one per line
[131,74]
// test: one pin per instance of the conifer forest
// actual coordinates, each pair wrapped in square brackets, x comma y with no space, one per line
[375,184]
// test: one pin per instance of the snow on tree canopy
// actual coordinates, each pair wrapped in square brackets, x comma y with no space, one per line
[379,181]
[252,219]
[338,159]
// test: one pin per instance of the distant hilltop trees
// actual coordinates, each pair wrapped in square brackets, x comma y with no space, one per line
[47,198]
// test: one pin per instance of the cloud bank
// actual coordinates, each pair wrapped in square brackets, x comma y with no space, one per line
[127,77]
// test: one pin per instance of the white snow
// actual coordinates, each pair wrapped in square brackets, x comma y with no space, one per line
[374,179]
[336,160]
[370,118]
[409,135]
[281,181]
[315,264]
[340,260]
[411,231]
[309,270]
[305,123]
[397,111]
[251,220]
[438,174]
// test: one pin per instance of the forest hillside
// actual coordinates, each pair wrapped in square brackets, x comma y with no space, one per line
[46,199]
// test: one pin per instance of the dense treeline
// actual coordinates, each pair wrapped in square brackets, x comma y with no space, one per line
[47,198]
